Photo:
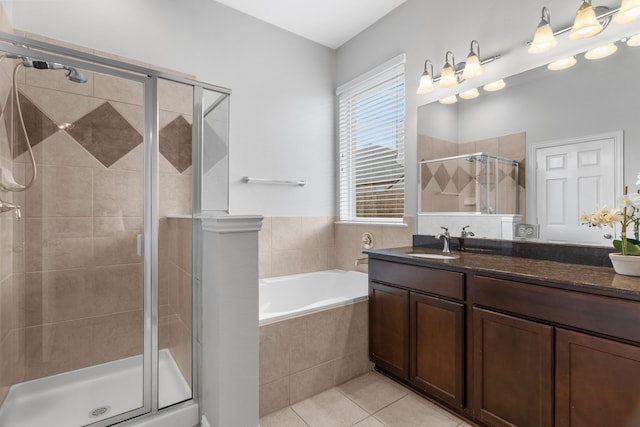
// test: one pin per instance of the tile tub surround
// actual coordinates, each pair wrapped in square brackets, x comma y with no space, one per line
[70,278]
[305,355]
[293,245]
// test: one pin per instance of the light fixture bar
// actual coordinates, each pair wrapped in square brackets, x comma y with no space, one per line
[604,15]
[460,66]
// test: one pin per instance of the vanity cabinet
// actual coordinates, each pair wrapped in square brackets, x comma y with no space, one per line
[597,378]
[507,352]
[597,381]
[513,370]
[417,327]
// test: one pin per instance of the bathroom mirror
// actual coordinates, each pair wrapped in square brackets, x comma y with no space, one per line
[536,108]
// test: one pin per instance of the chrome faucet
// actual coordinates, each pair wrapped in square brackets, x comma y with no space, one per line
[445,237]
[6,207]
[464,233]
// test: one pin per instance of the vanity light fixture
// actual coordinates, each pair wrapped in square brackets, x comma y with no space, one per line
[448,77]
[469,94]
[473,67]
[494,86]
[449,100]
[601,51]
[586,24]
[426,81]
[543,39]
[634,41]
[629,10]
[562,63]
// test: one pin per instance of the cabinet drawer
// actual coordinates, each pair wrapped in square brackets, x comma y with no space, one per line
[596,313]
[438,282]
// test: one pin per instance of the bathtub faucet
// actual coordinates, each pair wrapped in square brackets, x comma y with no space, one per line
[364,260]
[6,207]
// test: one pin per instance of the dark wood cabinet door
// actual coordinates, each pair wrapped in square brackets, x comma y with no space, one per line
[437,347]
[389,328]
[597,381]
[512,370]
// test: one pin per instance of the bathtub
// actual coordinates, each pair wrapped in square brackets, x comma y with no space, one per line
[290,296]
[313,335]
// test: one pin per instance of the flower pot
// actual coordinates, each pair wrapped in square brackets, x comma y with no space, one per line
[625,264]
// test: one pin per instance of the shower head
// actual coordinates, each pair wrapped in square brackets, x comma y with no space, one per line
[73,74]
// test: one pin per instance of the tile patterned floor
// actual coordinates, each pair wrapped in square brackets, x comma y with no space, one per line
[371,400]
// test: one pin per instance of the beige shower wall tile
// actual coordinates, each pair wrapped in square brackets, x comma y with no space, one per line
[180,296]
[312,381]
[132,161]
[49,101]
[273,396]
[513,146]
[61,191]
[180,243]
[57,80]
[490,146]
[117,89]
[175,96]
[115,240]
[57,347]
[118,193]
[11,361]
[12,304]
[6,245]
[60,149]
[5,27]
[116,288]
[180,348]
[134,114]
[116,336]
[58,243]
[57,296]
[175,194]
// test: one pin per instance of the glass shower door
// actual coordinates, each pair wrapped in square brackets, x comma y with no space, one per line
[77,273]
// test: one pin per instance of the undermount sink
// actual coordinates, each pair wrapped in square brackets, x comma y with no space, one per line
[434,256]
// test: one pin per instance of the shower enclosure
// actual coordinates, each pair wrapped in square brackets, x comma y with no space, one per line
[479,182]
[104,169]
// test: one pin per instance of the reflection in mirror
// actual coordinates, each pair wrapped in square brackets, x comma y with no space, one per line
[539,107]
[478,182]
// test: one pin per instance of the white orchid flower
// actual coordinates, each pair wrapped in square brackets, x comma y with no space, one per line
[638,181]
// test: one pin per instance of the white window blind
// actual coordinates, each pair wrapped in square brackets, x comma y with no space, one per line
[371,115]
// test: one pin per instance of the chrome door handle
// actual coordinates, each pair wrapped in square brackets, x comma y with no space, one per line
[607,235]
[140,245]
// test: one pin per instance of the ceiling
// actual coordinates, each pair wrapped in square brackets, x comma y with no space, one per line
[328,22]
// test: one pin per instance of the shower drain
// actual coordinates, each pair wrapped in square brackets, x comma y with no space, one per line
[99,411]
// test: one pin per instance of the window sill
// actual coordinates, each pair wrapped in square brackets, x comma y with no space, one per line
[373,223]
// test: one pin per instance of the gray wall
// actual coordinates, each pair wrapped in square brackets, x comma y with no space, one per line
[282,107]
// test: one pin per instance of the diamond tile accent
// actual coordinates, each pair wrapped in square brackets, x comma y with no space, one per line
[426,176]
[105,134]
[175,143]
[39,126]
[461,178]
[442,177]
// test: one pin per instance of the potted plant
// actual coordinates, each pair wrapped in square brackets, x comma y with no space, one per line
[627,260]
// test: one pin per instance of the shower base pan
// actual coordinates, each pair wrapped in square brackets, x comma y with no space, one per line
[88,395]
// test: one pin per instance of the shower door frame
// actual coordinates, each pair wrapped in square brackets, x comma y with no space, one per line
[149,78]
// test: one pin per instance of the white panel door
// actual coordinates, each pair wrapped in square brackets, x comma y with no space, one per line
[572,179]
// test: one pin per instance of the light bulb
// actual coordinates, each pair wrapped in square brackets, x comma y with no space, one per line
[634,41]
[629,11]
[448,77]
[469,94]
[449,100]
[426,84]
[601,51]
[543,38]
[562,63]
[586,24]
[494,86]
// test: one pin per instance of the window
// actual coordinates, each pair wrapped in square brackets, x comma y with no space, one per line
[371,114]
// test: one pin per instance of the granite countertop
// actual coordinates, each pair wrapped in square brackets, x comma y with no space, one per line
[583,278]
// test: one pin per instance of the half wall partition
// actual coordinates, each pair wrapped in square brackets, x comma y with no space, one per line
[104,166]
